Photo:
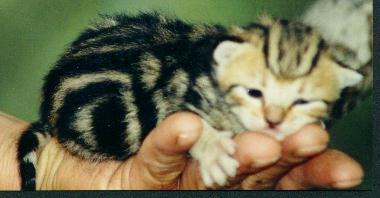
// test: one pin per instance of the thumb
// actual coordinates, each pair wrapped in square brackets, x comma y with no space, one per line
[162,156]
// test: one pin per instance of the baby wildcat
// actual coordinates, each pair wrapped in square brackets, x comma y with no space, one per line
[123,76]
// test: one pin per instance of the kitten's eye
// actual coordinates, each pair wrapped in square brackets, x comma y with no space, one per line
[255,93]
[300,102]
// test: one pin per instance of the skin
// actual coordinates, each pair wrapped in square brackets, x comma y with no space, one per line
[300,162]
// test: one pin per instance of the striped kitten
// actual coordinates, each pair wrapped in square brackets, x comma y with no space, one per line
[119,79]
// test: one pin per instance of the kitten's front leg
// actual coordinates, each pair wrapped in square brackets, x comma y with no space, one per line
[214,150]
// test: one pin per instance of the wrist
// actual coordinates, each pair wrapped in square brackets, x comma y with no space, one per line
[10,131]
[59,170]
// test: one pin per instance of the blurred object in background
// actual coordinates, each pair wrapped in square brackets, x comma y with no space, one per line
[347,23]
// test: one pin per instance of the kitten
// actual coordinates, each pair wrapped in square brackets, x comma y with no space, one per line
[119,79]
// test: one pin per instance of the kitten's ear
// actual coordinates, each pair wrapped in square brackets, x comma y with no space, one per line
[348,77]
[225,50]
[266,19]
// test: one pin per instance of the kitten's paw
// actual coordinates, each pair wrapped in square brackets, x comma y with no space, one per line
[215,158]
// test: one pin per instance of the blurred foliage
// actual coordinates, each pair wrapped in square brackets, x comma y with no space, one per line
[35,32]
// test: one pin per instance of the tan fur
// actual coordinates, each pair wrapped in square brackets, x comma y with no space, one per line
[249,63]
[248,70]
[103,49]
[151,67]
[177,86]
[83,122]
[84,153]
[179,82]
[323,81]
[274,39]
[274,114]
[105,23]
[133,127]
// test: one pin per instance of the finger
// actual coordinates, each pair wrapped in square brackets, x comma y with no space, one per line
[162,156]
[253,152]
[331,169]
[307,142]
[310,140]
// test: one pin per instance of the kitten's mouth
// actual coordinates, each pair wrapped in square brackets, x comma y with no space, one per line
[272,128]
[271,131]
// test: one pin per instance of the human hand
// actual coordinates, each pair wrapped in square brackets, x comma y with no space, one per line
[161,163]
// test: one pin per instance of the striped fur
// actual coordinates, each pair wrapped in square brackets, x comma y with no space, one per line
[127,73]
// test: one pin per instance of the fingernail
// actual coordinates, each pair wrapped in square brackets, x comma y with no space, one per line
[304,152]
[347,184]
[264,162]
[184,139]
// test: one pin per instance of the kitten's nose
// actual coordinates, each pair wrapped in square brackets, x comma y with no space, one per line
[274,115]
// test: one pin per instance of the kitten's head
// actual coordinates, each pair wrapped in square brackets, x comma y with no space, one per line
[280,77]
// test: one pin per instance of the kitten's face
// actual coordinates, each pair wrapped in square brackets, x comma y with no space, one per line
[278,106]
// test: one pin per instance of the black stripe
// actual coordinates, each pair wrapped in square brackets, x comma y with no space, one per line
[337,110]
[342,64]
[91,33]
[147,111]
[140,39]
[265,32]
[298,59]
[284,22]
[147,20]
[28,176]
[230,88]
[321,46]
[280,47]
[126,33]
[109,126]
[83,40]
[266,46]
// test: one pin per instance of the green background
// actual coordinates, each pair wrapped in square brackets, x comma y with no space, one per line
[33,33]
